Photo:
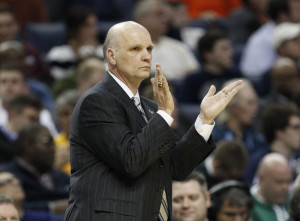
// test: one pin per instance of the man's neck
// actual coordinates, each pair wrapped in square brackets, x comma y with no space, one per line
[213,69]
[280,147]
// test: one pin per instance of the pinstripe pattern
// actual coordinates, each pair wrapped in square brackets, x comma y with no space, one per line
[119,162]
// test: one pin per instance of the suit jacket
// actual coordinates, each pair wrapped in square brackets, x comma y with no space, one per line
[119,163]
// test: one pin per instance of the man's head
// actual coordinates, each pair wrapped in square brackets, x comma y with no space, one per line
[11,186]
[230,200]
[190,198]
[244,106]
[215,48]
[36,147]
[275,177]
[286,40]
[281,123]
[88,73]
[8,211]
[12,82]
[128,52]
[230,160]
[22,111]
[285,77]
[283,10]
[9,26]
[154,16]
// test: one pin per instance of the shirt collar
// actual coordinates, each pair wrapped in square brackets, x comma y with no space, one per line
[124,87]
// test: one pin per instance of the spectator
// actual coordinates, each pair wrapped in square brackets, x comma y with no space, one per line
[22,111]
[237,122]
[271,194]
[243,21]
[227,162]
[45,188]
[10,42]
[230,200]
[190,198]
[64,106]
[8,211]
[11,187]
[281,127]
[28,11]
[259,55]
[216,52]
[175,57]
[82,42]
[14,83]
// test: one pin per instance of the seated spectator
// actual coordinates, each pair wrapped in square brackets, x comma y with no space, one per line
[176,59]
[11,187]
[259,54]
[216,52]
[230,200]
[227,162]
[280,84]
[45,188]
[243,21]
[81,24]
[10,40]
[281,128]
[12,84]
[8,211]
[237,122]
[271,194]
[28,11]
[87,74]
[190,198]
[22,110]
[64,106]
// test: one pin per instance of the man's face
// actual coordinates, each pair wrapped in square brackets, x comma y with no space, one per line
[275,183]
[8,212]
[10,186]
[22,119]
[229,212]
[8,27]
[42,151]
[221,54]
[87,33]
[133,54]
[12,84]
[290,136]
[189,202]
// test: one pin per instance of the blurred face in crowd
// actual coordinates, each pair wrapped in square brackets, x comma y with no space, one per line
[274,183]
[245,107]
[42,151]
[221,54]
[290,136]
[8,27]
[290,49]
[294,7]
[64,118]
[8,212]
[189,202]
[87,33]
[156,19]
[229,212]
[12,84]
[20,119]
[10,186]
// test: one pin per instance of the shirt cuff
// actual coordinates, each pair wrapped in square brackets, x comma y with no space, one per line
[204,129]
[167,117]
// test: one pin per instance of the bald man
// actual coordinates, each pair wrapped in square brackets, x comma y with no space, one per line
[124,154]
[271,195]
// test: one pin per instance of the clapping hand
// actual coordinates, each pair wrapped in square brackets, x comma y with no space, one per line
[213,104]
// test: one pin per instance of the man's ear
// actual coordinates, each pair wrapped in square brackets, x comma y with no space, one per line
[110,54]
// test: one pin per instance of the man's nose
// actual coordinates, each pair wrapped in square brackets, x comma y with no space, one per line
[146,55]
[186,203]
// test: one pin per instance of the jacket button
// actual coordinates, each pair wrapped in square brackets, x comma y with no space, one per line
[161,166]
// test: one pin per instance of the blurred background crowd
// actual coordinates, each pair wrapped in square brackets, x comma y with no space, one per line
[51,53]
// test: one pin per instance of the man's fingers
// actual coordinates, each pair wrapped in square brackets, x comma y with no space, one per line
[211,91]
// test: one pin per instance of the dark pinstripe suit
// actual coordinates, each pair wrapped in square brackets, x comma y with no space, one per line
[119,163]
